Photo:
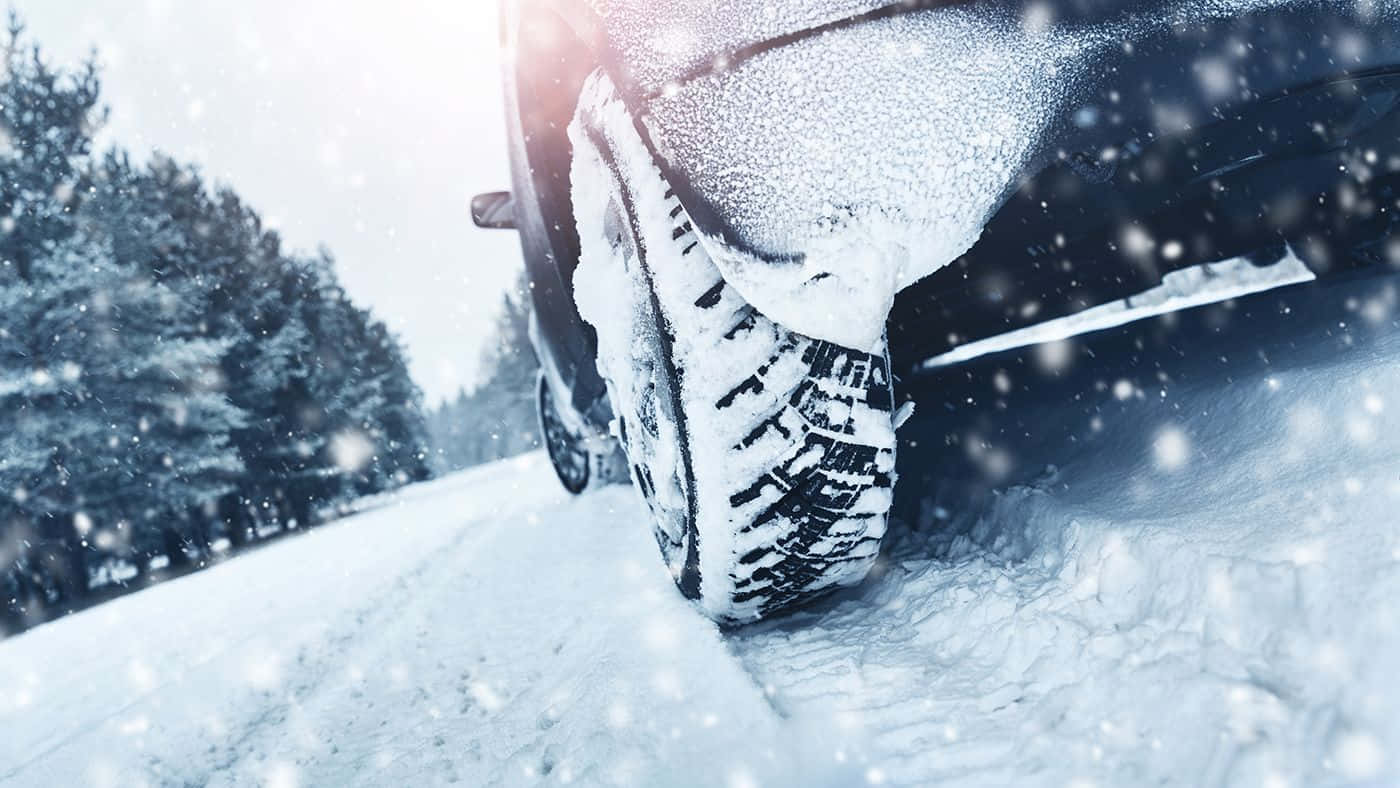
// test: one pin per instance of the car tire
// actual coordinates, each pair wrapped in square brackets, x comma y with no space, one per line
[580,463]
[766,457]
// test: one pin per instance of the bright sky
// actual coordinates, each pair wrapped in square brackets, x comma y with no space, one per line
[362,125]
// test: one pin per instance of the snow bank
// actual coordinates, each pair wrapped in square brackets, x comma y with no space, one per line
[1198,586]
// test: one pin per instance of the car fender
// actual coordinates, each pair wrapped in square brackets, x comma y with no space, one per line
[827,173]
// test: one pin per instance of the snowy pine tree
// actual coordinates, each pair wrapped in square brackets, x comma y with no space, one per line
[47,118]
[497,418]
[167,369]
[46,122]
[136,426]
[365,395]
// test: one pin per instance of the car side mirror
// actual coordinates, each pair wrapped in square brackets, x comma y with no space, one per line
[494,211]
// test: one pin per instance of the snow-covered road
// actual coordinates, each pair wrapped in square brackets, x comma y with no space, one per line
[1170,551]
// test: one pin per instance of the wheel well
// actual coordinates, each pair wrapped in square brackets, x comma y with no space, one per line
[552,58]
[550,50]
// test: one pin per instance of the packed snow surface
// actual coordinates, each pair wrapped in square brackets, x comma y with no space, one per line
[1166,552]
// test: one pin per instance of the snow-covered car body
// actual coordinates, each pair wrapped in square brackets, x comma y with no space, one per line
[744,221]
[832,154]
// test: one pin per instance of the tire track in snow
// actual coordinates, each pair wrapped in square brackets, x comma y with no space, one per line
[372,621]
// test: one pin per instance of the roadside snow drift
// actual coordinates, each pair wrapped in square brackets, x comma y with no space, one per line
[1170,552]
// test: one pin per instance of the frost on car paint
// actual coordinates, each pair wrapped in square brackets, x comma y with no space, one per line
[898,138]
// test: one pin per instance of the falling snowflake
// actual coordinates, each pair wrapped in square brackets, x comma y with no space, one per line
[351,450]
[1171,449]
